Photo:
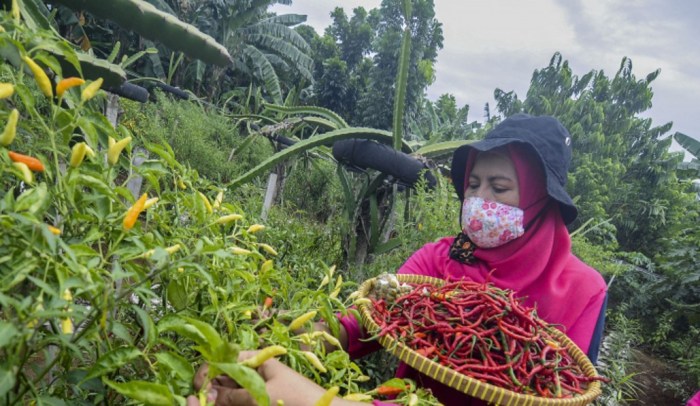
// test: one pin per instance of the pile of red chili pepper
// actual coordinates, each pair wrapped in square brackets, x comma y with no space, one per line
[483,332]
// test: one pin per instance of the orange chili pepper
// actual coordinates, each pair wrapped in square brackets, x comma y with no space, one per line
[385,390]
[33,163]
[66,84]
[267,303]
[426,351]
[133,213]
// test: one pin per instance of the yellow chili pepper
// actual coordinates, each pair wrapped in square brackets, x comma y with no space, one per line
[266,266]
[66,84]
[91,89]
[228,218]
[67,296]
[206,202]
[89,151]
[150,202]
[54,230]
[240,251]
[67,326]
[255,228]
[15,10]
[8,135]
[325,281]
[219,199]
[313,359]
[115,148]
[357,397]
[336,289]
[264,355]
[42,80]
[27,175]
[170,250]
[331,340]
[306,338]
[301,320]
[78,154]
[327,398]
[268,249]
[363,300]
[133,213]
[6,90]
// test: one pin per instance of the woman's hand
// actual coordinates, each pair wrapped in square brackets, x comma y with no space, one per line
[281,382]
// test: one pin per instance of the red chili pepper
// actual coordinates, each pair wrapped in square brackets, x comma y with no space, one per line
[483,332]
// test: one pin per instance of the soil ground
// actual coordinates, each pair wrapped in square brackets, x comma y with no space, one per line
[659,382]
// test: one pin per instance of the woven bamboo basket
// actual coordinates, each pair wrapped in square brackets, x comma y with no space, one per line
[468,385]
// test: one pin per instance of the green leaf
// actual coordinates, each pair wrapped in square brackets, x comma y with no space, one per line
[7,333]
[690,144]
[149,328]
[177,295]
[7,379]
[34,201]
[204,335]
[329,115]
[246,377]
[112,361]
[176,363]
[145,392]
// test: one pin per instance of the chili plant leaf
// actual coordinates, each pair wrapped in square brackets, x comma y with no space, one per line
[177,295]
[246,377]
[149,393]
[112,361]
[149,328]
[7,333]
[176,363]
[7,379]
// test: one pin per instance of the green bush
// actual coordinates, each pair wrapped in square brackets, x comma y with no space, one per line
[200,136]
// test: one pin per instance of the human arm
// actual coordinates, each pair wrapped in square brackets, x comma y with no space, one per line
[281,383]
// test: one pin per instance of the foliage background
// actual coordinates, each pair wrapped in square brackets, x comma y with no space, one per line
[138,323]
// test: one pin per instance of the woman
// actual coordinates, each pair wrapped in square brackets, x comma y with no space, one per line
[514,214]
[519,242]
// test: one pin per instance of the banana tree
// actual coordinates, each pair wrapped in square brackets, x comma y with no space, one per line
[693,147]
[369,202]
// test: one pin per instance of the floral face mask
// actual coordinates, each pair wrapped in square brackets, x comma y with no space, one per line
[491,224]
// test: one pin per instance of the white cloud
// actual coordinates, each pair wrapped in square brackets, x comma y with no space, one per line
[499,43]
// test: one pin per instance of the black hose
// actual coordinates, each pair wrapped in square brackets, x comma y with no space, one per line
[371,154]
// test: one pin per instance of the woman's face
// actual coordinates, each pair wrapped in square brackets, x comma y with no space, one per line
[494,178]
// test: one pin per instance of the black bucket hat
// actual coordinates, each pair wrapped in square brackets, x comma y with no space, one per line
[546,136]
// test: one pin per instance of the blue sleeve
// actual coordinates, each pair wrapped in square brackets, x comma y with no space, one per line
[594,347]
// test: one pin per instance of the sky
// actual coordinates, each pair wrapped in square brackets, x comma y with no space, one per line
[491,44]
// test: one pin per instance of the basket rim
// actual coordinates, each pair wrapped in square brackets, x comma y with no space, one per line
[464,383]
